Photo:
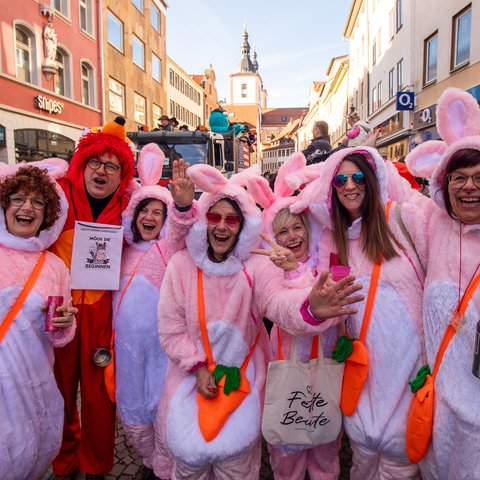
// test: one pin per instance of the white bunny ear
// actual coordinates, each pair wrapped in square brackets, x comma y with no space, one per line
[424,158]
[292,165]
[56,167]
[259,188]
[150,164]
[206,177]
[458,115]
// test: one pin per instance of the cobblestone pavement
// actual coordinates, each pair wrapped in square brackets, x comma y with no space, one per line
[128,464]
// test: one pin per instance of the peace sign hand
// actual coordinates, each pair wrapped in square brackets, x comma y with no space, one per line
[282,257]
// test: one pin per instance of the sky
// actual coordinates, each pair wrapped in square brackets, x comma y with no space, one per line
[294,40]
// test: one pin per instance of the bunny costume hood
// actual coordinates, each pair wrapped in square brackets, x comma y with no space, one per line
[56,169]
[149,168]
[216,187]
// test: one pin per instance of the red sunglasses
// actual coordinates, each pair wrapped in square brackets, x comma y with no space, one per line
[216,218]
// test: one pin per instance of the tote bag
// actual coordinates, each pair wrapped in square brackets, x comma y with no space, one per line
[302,400]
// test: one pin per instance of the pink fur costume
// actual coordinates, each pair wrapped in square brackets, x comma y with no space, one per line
[450,253]
[31,406]
[394,338]
[140,362]
[238,292]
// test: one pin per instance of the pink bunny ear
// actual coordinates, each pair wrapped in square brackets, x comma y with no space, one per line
[424,158]
[259,188]
[240,178]
[56,167]
[458,115]
[292,165]
[303,176]
[150,164]
[206,177]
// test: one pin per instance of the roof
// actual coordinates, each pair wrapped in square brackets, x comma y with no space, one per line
[281,116]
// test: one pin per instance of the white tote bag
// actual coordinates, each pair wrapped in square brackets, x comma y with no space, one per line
[302,400]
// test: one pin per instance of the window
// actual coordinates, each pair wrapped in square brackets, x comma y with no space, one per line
[62,6]
[374,52]
[25,55]
[116,96]
[391,24]
[391,83]
[379,42]
[62,77]
[86,16]
[431,55]
[88,91]
[138,52]
[399,14]
[156,114]
[115,31]
[461,37]
[374,99]
[400,75]
[155,17]
[156,68]
[244,90]
[379,94]
[139,108]
[31,145]
[138,5]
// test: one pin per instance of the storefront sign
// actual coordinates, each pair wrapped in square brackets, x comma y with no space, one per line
[425,117]
[405,100]
[48,104]
[3,138]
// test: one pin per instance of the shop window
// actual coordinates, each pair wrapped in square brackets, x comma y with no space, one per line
[33,145]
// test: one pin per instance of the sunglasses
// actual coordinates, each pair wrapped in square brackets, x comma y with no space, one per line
[216,218]
[341,179]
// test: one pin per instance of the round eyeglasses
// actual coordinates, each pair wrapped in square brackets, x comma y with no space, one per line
[358,178]
[110,168]
[459,180]
[216,218]
[18,199]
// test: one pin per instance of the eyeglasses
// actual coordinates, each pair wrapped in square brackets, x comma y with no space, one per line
[341,179]
[110,168]
[18,199]
[459,180]
[216,218]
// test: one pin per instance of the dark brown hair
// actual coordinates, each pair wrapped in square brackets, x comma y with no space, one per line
[376,236]
[467,157]
[140,206]
[30,179]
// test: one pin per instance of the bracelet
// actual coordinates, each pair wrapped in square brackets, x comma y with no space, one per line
[309,310]
[183,209]
[197,366]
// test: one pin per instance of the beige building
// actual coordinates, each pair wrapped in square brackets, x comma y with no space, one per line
[134,63]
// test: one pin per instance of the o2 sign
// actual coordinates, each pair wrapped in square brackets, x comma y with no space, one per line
[405,100]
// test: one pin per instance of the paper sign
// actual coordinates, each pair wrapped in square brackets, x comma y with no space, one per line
[96,256]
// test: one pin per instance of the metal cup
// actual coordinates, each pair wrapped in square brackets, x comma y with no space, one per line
[101,356]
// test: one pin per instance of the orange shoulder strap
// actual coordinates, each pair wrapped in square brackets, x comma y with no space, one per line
[203,326]
[453,325]
[22,296]
[372,290]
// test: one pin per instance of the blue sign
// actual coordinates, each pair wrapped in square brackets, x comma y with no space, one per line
[3,139]
[405,100]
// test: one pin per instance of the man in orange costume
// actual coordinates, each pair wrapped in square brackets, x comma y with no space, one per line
[95,185]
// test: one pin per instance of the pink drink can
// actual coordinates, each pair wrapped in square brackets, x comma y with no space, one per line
[52,303]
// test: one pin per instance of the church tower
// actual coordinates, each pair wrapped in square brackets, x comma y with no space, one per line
[246,86]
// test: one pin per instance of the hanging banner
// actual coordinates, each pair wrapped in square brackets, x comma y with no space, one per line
[96,256]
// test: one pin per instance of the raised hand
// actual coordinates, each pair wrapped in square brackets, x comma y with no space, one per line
[181,187]
[282,257]
[329,299]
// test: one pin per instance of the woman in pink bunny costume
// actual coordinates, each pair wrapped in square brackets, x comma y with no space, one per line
[238,291]
[446,233]
[31,406]
[295,251]
[154,230]
[349,200]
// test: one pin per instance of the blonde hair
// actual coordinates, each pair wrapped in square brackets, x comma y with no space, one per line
[284,217]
